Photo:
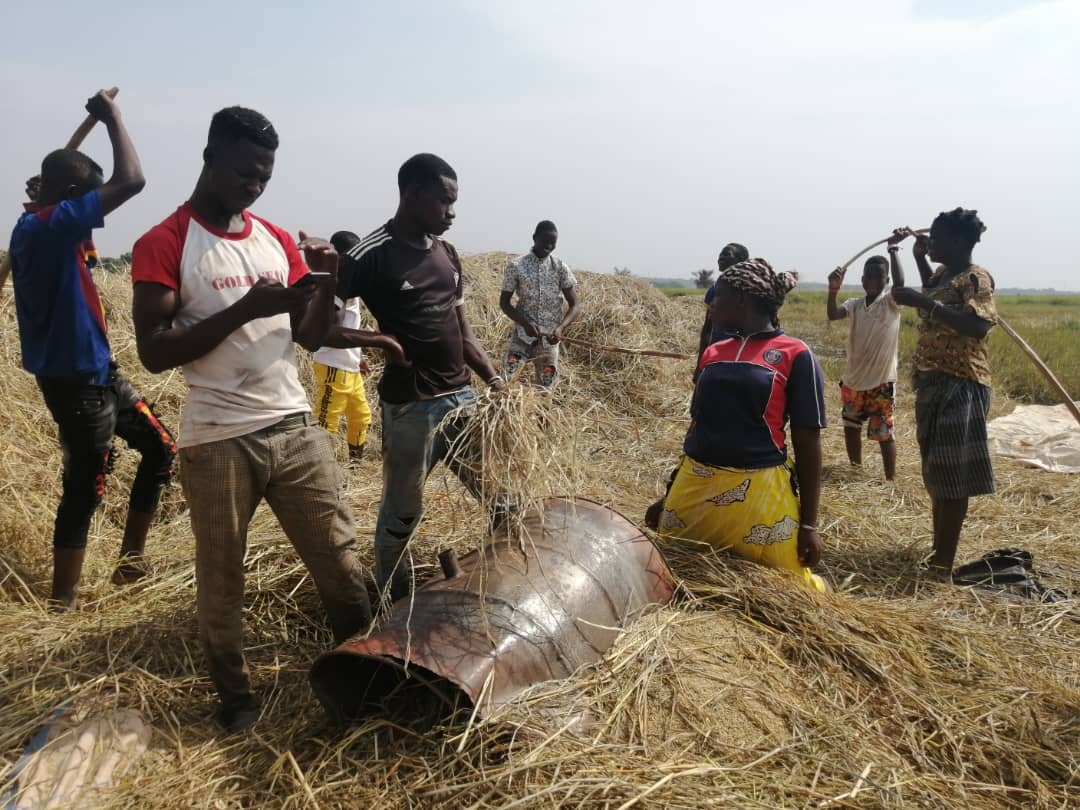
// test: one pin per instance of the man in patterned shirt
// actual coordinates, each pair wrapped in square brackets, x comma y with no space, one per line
[541,282]
[952,375]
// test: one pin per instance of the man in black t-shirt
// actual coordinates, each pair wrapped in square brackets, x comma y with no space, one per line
[411,281]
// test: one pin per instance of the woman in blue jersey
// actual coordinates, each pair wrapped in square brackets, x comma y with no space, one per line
[737,487]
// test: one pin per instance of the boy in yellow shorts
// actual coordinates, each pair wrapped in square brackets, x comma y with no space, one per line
[339,374]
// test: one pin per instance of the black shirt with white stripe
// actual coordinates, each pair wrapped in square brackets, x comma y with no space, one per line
[414,294]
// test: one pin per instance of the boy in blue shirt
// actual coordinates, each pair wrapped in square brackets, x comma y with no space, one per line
[65,346]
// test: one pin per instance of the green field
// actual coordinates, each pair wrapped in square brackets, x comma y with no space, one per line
[680,292]
[1049,323]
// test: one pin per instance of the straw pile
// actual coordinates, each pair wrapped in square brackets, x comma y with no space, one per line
[746,692]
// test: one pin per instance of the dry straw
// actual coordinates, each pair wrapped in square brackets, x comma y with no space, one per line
[748,691]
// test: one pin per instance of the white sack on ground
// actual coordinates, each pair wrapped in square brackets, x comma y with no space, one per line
[79,757]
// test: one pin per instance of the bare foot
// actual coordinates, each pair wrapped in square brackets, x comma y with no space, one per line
[129,570]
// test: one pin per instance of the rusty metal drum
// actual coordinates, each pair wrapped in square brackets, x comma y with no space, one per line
[524,609]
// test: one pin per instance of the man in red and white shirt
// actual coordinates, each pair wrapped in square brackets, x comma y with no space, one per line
[224,294]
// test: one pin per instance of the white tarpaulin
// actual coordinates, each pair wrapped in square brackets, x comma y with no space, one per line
[1045,436]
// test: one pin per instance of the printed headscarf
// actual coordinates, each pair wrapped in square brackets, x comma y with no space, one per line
[756,277]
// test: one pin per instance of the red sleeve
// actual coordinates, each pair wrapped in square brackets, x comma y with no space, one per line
[711,354]
[156,256]
[297,268]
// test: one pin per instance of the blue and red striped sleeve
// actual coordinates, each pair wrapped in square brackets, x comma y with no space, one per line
[806,392]
[73,216]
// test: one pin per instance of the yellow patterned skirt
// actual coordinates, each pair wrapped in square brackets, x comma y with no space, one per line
[753,513]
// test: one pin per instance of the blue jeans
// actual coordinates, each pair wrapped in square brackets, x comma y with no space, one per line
[413,444]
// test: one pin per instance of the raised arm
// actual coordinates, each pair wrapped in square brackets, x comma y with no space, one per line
[836,281]
[897,272]
[163,345]
[895,268]
[127,178]
[920,250]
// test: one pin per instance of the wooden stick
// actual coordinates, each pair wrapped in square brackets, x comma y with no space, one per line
[74,142]
[868,248]
[80,133]
[620,350]
[1055,383]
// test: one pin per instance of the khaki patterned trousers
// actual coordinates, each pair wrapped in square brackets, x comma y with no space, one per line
[291,464]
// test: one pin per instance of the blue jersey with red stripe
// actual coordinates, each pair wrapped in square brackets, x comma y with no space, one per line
[748,391]
[61,323]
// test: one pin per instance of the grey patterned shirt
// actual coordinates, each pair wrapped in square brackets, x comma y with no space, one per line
[539,285]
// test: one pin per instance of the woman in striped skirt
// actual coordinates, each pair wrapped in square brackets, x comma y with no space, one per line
[952,374]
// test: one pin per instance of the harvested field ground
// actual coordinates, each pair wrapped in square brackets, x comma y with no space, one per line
[748,691]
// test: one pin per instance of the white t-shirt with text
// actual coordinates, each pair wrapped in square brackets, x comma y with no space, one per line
[249,381]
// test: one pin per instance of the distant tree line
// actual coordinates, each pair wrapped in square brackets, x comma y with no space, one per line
[111,264]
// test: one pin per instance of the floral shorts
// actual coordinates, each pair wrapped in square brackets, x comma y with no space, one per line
[875,407]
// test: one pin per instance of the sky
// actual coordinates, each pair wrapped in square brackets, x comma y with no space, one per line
[651,133]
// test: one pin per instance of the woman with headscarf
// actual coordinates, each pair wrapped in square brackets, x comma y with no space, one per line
[737,487]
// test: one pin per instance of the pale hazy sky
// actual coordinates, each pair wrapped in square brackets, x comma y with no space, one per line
[651,132]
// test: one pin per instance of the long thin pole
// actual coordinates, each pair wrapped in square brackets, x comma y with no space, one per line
[80,133]
[868,248]
[620,350]
[1051,378]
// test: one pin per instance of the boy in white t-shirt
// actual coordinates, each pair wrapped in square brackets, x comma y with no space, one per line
[339,374]
[867,387]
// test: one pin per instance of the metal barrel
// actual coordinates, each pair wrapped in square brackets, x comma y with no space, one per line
[524,609]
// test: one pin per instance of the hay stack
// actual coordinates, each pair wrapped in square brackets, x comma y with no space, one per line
[747,692]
